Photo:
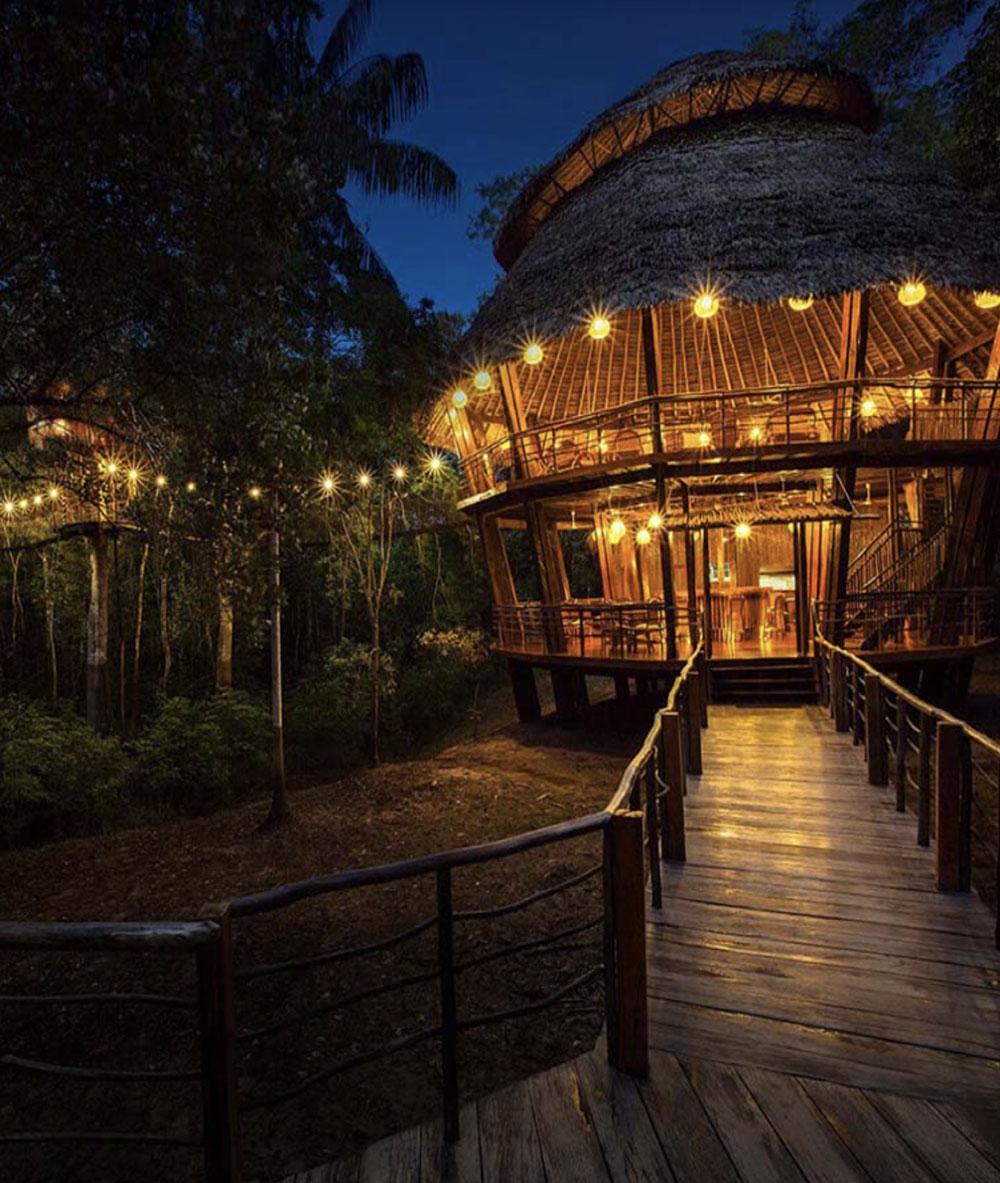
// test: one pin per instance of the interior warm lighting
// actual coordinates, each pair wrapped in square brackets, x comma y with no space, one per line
[602,447]
[655,522]
[255,492]
[756,434]
[532,354]
[704,439]
[706,304]
[742,530]
[800,303]
[987,299]
[791,527]
[643,536]
[617,531]
[599,327]
[483,380]
[459,398]
[868,408]
[911,293]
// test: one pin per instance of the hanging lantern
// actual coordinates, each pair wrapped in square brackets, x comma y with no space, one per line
[459,398]
[742,530]
[532,354]
[482,380]
[706,305]
[642,536]
[599,327]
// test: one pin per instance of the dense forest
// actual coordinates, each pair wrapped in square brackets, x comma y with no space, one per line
[212,485]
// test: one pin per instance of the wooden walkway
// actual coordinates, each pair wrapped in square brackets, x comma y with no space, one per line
[817,1010]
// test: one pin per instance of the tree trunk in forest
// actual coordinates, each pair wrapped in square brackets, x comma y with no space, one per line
[168,658]
[280,813]
[50,628]
[375,672]
[137,641]
[97,631]
[224,645]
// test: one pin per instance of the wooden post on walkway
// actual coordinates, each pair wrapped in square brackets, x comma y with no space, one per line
[953,783]
[217,1027]
[874,731]
[838,691]
[902,742]
[672,763]
[924,780]
[693,719]
[625,916]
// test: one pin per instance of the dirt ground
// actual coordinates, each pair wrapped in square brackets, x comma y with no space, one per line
[511,780]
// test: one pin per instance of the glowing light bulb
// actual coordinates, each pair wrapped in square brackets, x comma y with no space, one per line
[8,507]
[328,482]
[111,467]
[161,481]
[987,299]
[435,462]
[706,305]
[602,447]
[37,499]
[364,479]
[756,434]
[704,439]
[133,475]
[800,303]
[399,473]
[868,408]
[911,293]
[255,492]
[617,531]
[742,530]
[191,487]
[53,494]
[655,522]
[483,380]
[642,536]
[23,503]
[599,327]
[459,398]
[532,354]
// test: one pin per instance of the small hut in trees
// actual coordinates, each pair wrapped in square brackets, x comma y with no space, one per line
[740,378]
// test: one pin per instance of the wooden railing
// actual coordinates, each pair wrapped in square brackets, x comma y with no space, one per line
[641,824]
[600,630]
[744,421]
[946,770]
[205,943]
[870,565]
[934,618]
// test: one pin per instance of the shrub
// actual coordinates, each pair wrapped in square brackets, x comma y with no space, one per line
[439,686]
[55,773]
[327,720]
[197,753]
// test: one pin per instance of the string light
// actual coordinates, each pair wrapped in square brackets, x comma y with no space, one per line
[23,503]
[434,463]
[111,467]
[364,478]
[911,293]
[800,303]
[655,522]
[53,494]
[482,381]
[191,487]
[643,536]
[706,305]
[742,530]
[37,499]
[399,473]
[756,434]
[255,492]
[8,507]
[532,354]
[328,483]
[459,398]
[599,327]
[617,531]
[987,300]
[161,481]
[704,439]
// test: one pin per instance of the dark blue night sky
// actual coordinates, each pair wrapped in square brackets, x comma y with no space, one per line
[510,84]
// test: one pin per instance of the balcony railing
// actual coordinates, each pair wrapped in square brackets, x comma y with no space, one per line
[911,619]
[713,426]
[644,631]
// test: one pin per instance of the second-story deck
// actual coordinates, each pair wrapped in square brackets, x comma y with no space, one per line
[884,421]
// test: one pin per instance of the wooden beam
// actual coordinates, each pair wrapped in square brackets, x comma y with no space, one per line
[513,410]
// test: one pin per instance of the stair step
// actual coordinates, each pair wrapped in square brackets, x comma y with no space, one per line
[776,680]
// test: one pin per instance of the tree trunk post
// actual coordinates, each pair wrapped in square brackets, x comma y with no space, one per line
[627,1020]
[672,841]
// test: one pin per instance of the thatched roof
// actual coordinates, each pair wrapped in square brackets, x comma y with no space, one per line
[761,199]
[694,89]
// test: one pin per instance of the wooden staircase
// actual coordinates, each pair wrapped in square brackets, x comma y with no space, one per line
[778,681]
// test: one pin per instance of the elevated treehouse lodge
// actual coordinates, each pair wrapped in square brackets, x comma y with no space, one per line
[742,368]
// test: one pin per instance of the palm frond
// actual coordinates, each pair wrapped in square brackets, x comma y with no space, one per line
[383,90]
[347,236]
[345,37]
[388,167]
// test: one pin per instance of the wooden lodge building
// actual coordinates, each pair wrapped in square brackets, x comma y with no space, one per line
[740,379]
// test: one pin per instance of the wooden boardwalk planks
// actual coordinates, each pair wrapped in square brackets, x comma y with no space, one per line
[818,1011]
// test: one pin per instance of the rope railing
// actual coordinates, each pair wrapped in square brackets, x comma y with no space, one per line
[642,824]
[891,410]
[939,765]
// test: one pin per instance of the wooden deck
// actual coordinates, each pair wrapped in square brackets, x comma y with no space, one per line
[817,1010]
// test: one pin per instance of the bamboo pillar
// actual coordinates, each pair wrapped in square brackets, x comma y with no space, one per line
[692,583]
[706,584]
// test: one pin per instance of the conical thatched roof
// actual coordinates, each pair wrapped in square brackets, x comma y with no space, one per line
[759,178]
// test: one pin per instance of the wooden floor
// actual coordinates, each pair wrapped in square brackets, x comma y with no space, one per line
[817,1010]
